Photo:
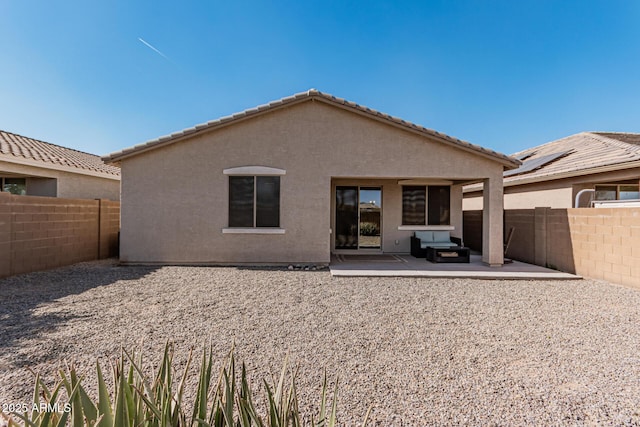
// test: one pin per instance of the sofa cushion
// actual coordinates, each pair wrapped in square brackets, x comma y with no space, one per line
[441,236]
[424,236]
[437,245]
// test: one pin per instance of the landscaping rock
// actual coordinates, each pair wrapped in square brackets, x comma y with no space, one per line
[420,351]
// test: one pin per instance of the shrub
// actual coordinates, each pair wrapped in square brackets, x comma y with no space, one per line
[136,400]
[369,229]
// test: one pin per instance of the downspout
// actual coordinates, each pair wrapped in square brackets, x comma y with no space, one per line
[580,193]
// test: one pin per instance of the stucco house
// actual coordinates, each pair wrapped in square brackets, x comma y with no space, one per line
[284,182]
[37,168]
[571,172]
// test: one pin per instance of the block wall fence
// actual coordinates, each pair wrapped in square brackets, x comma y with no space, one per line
[39,233]
[596,243]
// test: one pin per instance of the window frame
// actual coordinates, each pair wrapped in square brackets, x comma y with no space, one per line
[426,213]
[255,172]
[238,207]
[424,201]
[430,212]
[3,183]
[637,190]
[603,187]
[256,220]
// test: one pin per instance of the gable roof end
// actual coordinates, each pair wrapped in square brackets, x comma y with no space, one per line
[312,94]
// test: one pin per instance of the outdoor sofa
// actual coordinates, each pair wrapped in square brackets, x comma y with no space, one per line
[421,240]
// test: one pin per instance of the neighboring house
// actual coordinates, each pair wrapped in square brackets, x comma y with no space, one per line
[283,182]
[36,168]
[582,168]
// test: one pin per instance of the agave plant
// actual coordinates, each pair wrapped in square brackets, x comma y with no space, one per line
[137,401]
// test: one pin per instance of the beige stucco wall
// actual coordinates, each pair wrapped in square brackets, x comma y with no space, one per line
[66,185]
[556,198]
[557,194]
[174,198]
[87,187]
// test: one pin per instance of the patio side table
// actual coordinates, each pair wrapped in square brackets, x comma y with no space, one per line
[454,254]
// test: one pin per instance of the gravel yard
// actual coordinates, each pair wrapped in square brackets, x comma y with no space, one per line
[421,351]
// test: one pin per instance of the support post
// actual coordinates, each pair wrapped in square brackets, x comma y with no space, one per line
[492,222]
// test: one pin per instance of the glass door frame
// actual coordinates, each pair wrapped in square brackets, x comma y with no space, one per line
[357,249]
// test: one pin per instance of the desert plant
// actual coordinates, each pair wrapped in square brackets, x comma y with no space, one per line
[46,408]
[138,401]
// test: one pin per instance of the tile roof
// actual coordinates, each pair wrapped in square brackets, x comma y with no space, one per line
[578,154]
[631,138]
[507,161]
[45,153]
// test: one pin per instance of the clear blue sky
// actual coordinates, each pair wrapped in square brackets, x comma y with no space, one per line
[506,75]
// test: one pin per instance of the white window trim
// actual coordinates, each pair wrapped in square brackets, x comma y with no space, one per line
[254,170]
[425,227]
[252,230]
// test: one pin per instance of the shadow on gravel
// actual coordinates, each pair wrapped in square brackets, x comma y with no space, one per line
[21,294]
[291,267]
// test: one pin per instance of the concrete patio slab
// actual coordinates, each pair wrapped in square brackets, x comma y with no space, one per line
[408,266]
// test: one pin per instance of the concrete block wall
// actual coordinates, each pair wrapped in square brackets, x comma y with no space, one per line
[472,229]
[39,233]
[558,240]
[606,244]
[522,245]
[595,243]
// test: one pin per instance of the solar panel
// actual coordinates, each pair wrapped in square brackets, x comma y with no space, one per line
[533,164]
[524,156]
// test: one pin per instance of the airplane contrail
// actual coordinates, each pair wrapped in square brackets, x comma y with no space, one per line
[154,49]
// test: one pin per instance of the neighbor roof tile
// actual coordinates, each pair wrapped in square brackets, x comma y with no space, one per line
[585,150]
[23,147]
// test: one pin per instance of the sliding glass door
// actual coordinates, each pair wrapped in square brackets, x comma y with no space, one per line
[346,217]
[358,217]
[370,218]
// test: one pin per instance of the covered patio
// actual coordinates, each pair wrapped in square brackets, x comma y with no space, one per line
[391,265]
